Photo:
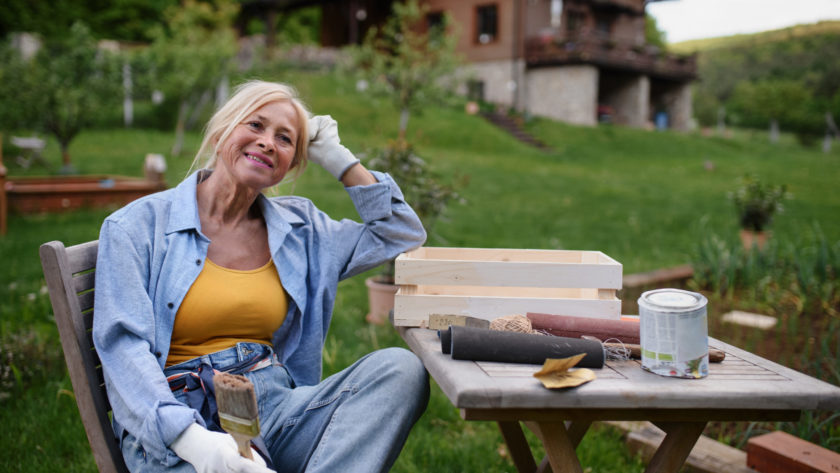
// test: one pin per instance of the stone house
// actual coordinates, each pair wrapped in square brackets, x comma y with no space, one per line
[578,61]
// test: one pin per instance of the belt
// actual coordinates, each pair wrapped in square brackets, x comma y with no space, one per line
[179,381]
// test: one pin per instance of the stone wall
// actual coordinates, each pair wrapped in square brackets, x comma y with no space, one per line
[568,93]
[503,81]
[679,107]
[572,93]
[629,98]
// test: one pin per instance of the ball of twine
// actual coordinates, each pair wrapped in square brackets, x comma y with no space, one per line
[512,323]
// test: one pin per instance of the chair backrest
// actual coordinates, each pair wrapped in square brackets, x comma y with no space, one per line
[70,274]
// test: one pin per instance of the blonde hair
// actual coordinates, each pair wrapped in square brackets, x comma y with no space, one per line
[247,98]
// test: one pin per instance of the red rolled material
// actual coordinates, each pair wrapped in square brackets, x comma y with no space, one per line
[569,326]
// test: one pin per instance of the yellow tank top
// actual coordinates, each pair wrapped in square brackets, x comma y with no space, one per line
[226,306]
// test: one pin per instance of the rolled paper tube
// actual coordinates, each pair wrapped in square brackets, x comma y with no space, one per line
[624,331]
[478,344]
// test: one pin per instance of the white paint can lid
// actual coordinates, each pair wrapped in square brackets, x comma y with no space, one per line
[672,300]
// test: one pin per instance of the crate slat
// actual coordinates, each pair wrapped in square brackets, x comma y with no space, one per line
[504,267]
[489,282]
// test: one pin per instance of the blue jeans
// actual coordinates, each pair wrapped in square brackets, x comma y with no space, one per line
[356,420]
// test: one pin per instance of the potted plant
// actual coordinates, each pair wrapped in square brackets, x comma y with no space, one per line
[426,192]
[756,203]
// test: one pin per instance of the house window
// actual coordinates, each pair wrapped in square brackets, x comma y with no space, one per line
[575,21]
[475,90]
[434,20]
[436,24]
[603,25]
[486,24]
[556,13]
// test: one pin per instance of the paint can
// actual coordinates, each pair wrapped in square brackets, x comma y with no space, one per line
[674,333]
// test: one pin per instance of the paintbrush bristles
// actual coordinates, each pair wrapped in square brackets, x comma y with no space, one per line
[235,396]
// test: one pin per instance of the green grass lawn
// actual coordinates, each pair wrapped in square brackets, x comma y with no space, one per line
[644,198]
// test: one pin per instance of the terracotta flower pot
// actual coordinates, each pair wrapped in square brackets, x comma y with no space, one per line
[380,300]
[750,238]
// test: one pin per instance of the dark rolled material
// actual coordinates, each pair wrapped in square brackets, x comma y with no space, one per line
[445,341]
[477,344]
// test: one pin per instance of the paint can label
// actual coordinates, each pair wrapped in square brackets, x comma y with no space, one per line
[674,333]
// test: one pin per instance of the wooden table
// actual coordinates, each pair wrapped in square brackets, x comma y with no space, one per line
[744,387]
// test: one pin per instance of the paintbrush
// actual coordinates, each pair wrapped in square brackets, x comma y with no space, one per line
[632,350]
[237,406]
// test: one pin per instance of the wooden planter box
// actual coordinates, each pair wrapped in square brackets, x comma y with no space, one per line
[27,195]
[489,283]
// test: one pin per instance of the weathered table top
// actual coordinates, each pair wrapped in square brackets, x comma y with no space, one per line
[743,381]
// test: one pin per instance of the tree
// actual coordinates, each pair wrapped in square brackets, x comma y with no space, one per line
[807,55]
[653,35]
[191,53]
[787,104]
[408,60]
[15,112]
[69,84]
[127,20]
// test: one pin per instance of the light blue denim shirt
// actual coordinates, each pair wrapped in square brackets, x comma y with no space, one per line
[152,250]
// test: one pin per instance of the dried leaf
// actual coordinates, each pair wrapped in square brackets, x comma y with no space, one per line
[555,373]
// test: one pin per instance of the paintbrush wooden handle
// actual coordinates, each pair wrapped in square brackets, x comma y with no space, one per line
[715,355]
[243,442]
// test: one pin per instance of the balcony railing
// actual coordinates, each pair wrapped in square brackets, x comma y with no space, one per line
[630,5]
[542,51]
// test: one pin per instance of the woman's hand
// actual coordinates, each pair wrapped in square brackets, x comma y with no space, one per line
[214,452]
[325,147]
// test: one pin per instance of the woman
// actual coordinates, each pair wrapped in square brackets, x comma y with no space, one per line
[213,275]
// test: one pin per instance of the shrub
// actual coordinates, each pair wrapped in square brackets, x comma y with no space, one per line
[423,189]
[757,202]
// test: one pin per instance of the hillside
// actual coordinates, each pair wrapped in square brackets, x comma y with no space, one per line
[790,77]
[738,40]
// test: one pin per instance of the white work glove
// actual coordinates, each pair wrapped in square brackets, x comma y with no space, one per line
[214,452]
[325,147]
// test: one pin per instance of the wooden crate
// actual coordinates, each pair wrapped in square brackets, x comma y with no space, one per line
[489,283]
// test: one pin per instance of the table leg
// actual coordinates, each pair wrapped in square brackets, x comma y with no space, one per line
[675,447]
[576,430]
[558,447]
[518,446]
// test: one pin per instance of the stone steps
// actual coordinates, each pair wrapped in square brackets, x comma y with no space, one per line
[513,127]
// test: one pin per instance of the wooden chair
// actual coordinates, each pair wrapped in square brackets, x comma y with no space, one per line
[70,273]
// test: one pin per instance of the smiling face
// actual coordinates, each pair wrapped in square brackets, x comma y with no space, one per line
[260,149]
